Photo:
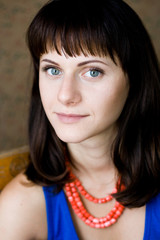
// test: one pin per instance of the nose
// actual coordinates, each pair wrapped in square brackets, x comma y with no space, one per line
[69,92]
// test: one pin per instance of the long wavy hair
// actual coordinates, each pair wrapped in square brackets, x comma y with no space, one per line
[109,28]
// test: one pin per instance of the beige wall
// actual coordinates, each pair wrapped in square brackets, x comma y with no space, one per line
[15,76]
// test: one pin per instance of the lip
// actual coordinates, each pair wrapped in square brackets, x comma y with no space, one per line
[70,118]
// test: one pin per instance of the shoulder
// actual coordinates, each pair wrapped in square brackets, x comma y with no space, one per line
[22,210]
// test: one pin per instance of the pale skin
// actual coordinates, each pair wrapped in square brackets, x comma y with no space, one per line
[83,98]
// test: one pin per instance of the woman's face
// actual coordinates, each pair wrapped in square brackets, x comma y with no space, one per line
[82,96]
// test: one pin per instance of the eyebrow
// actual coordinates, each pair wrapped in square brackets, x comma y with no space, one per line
[90,61]
[50,61]
[79,64]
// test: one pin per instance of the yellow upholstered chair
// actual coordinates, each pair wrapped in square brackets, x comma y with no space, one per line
[12,163]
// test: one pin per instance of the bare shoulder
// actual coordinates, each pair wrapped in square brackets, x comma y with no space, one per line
[22,211]
[20,191]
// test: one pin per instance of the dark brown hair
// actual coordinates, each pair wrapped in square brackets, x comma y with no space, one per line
[111,28]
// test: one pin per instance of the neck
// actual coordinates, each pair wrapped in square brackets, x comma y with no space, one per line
[93,162]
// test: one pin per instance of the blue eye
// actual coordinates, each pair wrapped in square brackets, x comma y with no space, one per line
[94,73]
[53,71]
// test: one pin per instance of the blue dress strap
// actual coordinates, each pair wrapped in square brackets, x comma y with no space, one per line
[61,227]
[59,221]
[152,219]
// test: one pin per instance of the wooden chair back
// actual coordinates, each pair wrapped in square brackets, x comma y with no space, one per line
[11,163]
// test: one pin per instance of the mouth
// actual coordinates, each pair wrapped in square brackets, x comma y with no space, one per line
[70,118]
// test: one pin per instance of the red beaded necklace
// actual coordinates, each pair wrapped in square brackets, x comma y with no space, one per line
[73,191]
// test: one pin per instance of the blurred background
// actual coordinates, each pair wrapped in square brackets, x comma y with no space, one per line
[15,69]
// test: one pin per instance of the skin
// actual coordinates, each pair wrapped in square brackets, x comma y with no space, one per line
[83,97]
[68,86]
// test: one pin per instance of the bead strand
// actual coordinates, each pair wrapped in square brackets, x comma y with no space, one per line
[81,212]
[90,197]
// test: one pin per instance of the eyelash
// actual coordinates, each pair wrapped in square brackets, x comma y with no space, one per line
[46,68]
[96,70]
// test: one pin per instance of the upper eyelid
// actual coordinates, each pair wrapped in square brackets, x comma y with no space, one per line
[88,68]
[92,66]
[96,69]
[50,66]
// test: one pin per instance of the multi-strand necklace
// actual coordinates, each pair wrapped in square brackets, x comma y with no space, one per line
[73,191]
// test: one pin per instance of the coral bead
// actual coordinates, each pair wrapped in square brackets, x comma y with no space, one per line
[87,221]
[71,184]
[90,217]
[107,224]
[70,198]
[96,220]
[79,204]
[73,191]
[97,225]
[113,220]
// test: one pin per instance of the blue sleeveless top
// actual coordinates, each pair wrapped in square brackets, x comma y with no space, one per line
[61,227]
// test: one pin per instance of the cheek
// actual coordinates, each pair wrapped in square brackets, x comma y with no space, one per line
[119,96]
[45,96]
[110,102]
[118,100]
[47,93]
[43,93]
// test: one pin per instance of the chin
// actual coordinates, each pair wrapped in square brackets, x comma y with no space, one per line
[67,139]
[70,138]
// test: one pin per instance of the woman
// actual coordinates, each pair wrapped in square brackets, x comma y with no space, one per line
[94,129]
